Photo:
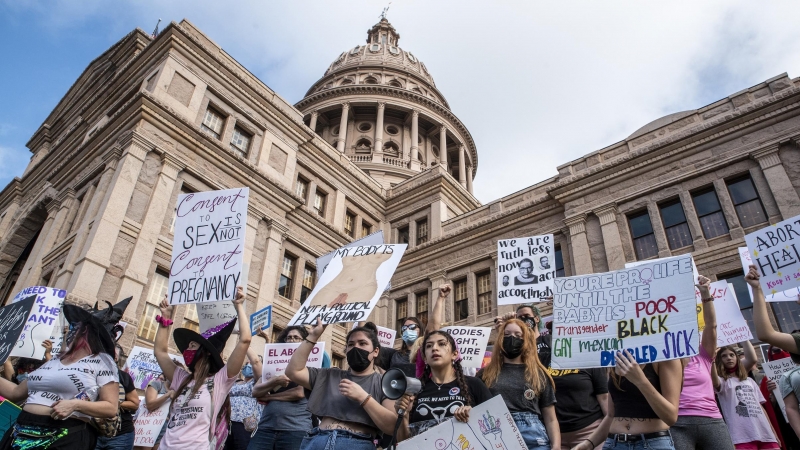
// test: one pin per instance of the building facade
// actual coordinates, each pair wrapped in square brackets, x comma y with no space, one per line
[372,146]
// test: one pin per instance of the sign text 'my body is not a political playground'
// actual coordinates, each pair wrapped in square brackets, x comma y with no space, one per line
[648,310]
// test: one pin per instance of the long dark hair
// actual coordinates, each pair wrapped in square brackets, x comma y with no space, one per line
[371,331]
[460,378]
[84,336]
[200,370]
[285,333]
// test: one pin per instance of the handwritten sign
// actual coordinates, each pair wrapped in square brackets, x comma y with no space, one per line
[490,425]
[148,424]
[695,275]
[718,290]
[277,356]
[648,310]
[143,367]
[774,370]
[731,326]
[372,239]
[213,314]
[471,342]
[352,285]
[525,269]
[775,250]
[386,336]
[260,319]
[13,318]
[788,295]
[41,321]
[208,247]
[57,336]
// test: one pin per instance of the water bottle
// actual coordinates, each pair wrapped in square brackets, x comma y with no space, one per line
[89,395]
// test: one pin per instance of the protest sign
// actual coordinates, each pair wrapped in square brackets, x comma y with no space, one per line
[774,370]
[143,367]
[386,336]
[260,319]
[775,250]
[718,290]
[208,247]
[13,319]
[695,275]
[41,321]
[648,310]
[372,239]
[148,424]
[731,326]
[57,335]
[277,356]
[788,295]
[490,425]
[352,284]
[217,313]
[471,342]
[525,269]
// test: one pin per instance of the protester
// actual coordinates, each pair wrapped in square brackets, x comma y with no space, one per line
[199,415]
[350,404]
[245,411]
[19,370]
[516,374]
[129,403]
[741,400]
[285,418]
[53,417]
[445,393]
[700,425]
[530,314]
[155,395]
[783,431]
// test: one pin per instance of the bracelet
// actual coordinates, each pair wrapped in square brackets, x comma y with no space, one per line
[311,342]
[590,441]
[369,396]
[706,300]
[164,321]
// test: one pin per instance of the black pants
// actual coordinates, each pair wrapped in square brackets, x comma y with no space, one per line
[238,438]
[72,433]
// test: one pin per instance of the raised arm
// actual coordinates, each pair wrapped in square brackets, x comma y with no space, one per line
[709,338]
[255,362]
[750,359]
[236,359]
[437,315]
[160,349]
[764,330]
[715,376]
[297,370]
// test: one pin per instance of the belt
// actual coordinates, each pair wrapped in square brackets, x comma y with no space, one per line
[637,437]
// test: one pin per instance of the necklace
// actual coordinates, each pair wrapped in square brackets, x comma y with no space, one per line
[437,384]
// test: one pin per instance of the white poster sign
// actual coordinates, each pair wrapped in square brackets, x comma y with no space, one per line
[143,367]
[472,342]
[352,285]
[731,326]
[490,426]
[277,356]
[788,295]
[148,424]
[695,274]
[386,336]
[208,247]
[525,269]
[57,335]
[41,321]
[649,310]
[775,250]
[774,370]
[373,239]
[213,314]
[261,319]
[718,290]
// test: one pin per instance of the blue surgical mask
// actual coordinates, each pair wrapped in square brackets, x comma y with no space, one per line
[21,377]
[247,371]
[410,336]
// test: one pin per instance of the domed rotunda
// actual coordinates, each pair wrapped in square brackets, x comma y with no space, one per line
[379,106]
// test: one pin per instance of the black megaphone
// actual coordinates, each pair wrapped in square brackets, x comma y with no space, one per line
[395,383]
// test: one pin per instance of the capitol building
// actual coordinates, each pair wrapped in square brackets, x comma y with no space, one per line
[373,146]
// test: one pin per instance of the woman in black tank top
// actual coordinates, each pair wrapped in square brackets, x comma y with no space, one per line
[644,404]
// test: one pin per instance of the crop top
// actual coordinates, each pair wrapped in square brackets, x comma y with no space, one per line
[629,400]
[54,381]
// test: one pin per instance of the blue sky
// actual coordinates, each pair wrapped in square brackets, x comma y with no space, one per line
[537,84]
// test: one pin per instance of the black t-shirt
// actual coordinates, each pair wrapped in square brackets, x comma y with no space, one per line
[125,385]
[543,348]
[516,392]
[576,392]
[390,358]
[434,404]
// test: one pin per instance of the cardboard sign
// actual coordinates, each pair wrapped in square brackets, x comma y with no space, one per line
[774,370]
[649,310]
[526,269]
[57,336]
[143,367]
[277,356]
[148,424]
[718,290]
[208,247]
[352,285]
[490,426]
[42,320]
[775,250]
[13,318]
[731,326]
[386,336]
[471,342]
[373,239]
[788,295]
[217,313]
[260,319]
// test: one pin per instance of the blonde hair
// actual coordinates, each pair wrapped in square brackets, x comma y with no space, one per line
[536,374]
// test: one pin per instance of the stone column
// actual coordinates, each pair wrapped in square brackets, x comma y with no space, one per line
[438,216]
[726,204]
[343,127]
[268,285]
[71,203]
[658,230]
[611,238]
[698,240]
[469,179]
[377,150]
[785,194]
[5,221]
[580,244]
[33,267]
[313,122]
[443,147]
[339,209]
[414,141]
[462,165]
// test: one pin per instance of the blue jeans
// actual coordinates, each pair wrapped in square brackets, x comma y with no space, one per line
[659,443]
[121,442]
[532,430]
[276,440]
[336,440]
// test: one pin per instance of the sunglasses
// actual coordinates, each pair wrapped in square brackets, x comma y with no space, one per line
[412,326]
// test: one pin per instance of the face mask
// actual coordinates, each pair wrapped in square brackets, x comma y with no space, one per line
[247,371]
[410,336]
[188,356]
[530,322]
[22,377]
[512,346]
[358,359]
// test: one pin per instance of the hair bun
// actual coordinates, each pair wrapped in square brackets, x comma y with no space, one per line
[370,326]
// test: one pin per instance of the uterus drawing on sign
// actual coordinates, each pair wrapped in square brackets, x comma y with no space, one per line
[357,282]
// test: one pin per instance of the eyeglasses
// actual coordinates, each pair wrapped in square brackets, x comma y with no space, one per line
[411,326]
[293,338]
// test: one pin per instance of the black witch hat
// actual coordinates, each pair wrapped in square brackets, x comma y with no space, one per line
[105,321]
[212,340]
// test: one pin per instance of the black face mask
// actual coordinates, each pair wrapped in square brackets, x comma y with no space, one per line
[530,322]
[512,346]
[358,359]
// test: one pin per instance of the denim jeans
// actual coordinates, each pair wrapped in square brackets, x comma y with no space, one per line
[336,440]
[532,430]
[659,443]
[265,439]
[121,442]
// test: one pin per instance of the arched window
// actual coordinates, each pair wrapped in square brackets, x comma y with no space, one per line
[395,83]
[347,81]
[391,148]
[370,80]
[363,146]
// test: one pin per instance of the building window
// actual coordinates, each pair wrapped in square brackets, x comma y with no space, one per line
[287,274]
[559,262]
[190,318]
[212,123]
[276,331]
[402,235]
[158,288]
[644,240]
[460,296]
[674,220]
[337,361]
[366,228]
[745,200]
[484,282]
[712,220]
[308,283]
[422,231]
[422,309]
[240,141]
[319,202]
[349,223]
[401,312]
[301,188]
